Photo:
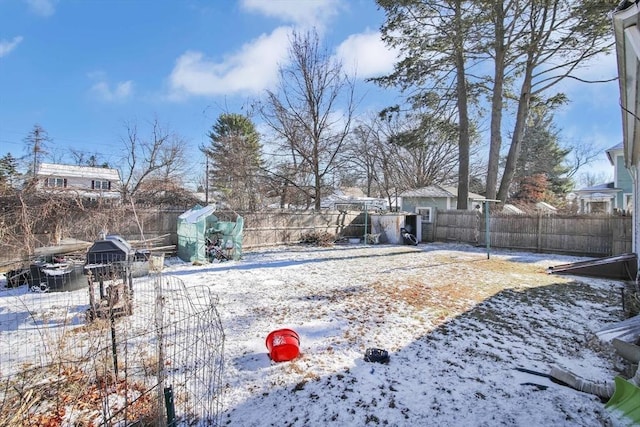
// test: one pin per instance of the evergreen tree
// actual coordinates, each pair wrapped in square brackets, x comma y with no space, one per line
[8,172]
[235,161]
[541,154]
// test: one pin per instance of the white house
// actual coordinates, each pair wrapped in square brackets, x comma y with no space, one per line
[82,181]
[627,37]
[609,197]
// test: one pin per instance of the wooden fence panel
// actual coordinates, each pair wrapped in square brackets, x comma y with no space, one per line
[507,232]
[589,235]
[622,231]
[457,226]
[271,228]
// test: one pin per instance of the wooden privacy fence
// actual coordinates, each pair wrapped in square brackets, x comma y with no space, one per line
[278,227]
[590,235]
[578,235]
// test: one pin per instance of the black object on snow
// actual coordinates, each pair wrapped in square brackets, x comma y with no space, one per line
[409,239]
[377,355]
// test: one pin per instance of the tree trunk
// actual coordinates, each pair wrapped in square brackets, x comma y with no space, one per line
[463,118]
[518,134]
[496,102]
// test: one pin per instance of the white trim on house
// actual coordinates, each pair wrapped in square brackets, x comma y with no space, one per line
[628,202]
[421,210]
[627,40]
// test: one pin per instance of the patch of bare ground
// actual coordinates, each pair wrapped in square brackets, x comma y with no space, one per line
[450,288]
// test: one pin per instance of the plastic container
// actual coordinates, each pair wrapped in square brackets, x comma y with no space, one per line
[283,345]
[625,401]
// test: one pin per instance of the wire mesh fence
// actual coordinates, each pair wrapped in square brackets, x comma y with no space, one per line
[67,359]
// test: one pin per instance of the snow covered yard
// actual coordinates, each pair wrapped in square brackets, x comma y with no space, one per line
[456,326]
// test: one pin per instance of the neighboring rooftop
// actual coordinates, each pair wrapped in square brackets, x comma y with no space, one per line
[437,191]
[73,171]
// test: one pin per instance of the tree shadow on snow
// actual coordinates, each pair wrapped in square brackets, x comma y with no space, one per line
[460,372]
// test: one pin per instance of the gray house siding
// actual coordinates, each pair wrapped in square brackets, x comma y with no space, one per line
[623,181]
[409,204]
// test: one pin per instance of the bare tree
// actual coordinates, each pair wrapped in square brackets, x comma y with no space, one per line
[310,113]
[396,152]
[81,158]
[362,153]
[151,163]
[36,145]
[582,154]
[590,179]
[425,149]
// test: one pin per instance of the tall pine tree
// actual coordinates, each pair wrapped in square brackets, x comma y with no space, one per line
[8,172]
[235,161]
[541,154]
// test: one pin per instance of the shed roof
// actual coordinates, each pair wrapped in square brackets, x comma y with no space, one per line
[196,213]
[437,192]
[544,206]
[430,191]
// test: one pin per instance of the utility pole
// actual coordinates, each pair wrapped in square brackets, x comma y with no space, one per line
[36,148]
[35,145]
[206,180]
[487,224]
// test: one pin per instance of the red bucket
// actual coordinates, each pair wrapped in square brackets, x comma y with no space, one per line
[283,345]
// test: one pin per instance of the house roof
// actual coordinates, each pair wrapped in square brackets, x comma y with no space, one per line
[609,151]
[435,191]
[509,208]
[72,171]
[627,37]
[349,192]
[608,187]
[544,206]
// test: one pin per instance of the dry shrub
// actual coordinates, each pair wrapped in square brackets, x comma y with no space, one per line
[52,395]
[318,238]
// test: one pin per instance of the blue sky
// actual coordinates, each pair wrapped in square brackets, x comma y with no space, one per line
[83,69]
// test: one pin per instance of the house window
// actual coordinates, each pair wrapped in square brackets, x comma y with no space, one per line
[425,213]
[55,182]
[100,185]
[598,207]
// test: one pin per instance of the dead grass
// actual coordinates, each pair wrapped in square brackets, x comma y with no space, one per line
[53,395]
[444,287]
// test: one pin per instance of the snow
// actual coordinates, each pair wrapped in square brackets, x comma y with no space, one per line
[456,326]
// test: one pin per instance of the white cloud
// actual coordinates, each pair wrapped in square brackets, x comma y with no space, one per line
[251,70]
[43,8]
[366,55]
[7,46]
[120,92]
[305,13]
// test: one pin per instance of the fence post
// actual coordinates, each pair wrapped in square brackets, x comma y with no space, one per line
[114,347]
[170,405]
[539,232]
[159,323]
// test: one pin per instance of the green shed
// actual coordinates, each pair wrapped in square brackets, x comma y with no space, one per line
[192,228]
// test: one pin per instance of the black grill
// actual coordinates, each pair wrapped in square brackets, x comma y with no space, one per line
[110,259]
[110,250]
